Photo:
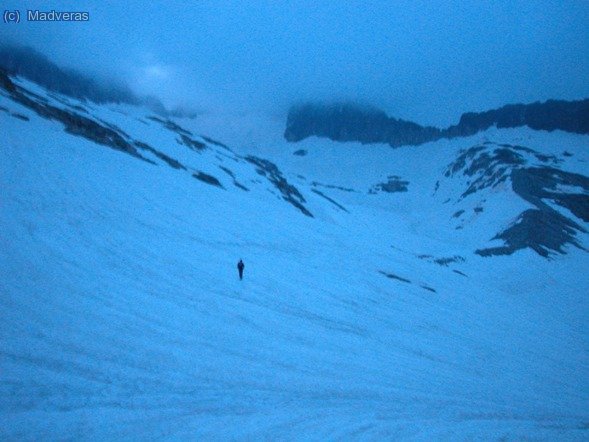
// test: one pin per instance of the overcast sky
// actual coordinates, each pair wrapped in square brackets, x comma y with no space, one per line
[428,60]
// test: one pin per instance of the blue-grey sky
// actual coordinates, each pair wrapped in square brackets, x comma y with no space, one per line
[424,60]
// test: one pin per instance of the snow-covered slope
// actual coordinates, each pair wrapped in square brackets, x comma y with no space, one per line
[365,311]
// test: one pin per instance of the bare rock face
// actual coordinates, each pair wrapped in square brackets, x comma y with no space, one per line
[351,122]
[537,179]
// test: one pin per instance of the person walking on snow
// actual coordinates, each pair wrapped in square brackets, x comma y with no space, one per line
[240,267]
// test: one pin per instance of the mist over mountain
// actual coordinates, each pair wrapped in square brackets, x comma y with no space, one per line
[31,64]
[353,122]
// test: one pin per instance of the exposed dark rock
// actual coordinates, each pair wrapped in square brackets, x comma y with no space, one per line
[14,114]
[300,152]
[543,229]
[74,123]
[488,167]
[428,288]
[335,203]
[170,125]
[162,156]
[443,261]
[209,179]
[458,213]
[5,82]
[448,260]
[569,116]
[459,272]
[192,144]
[273,174]
[478,209]
[393,276]
[331,186]
[352,122]
[394,184]
[215,142]
[536,183]
[235,182]
[20,117]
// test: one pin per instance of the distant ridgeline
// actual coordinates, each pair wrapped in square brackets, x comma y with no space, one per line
[351,122]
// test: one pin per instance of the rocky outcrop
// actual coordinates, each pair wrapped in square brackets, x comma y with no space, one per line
[351,122]
[560,199]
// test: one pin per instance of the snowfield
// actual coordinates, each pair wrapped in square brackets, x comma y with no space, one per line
[122,316]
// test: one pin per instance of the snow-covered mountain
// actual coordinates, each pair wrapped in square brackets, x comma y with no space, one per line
[437,292]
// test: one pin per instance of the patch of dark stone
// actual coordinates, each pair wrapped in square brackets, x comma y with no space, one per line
[478,209]
[170,125]
[335,203]
[162,156]
[541,157]
[209,179]
[235,182]
[428,288]
[14,114]
[74,124]
[289,192]
[567,154]
[394,184]
[457,214]
[445,261]
[215,142]
[459,272]
[545,232]
[393,276]
[192,144]
[6,83]
[492,167]
[20,117]
[300,152]
[353,122]
[537,183]
[330,186]
[544,229]
[113,127]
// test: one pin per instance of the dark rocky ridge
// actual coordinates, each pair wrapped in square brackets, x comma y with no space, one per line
[289,192]
[30,64]
[352,122]
[543,228]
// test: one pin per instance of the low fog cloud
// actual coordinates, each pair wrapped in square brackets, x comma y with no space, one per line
[427,61]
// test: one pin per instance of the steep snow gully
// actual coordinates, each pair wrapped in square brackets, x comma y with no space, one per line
[437,292]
